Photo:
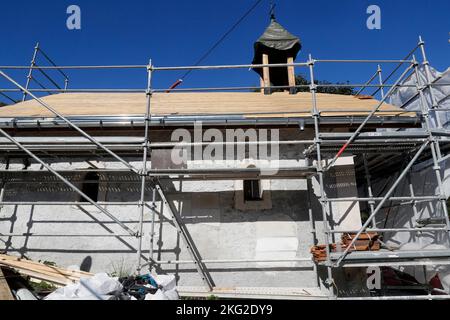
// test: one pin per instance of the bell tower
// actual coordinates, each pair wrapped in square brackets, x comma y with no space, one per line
[276,45]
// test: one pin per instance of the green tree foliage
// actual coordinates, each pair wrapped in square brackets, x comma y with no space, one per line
[300,80]
[333,89]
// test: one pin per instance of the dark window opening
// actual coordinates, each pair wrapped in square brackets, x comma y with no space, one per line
[252,190]
[91,186]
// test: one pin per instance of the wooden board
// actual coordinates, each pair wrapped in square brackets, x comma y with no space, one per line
[41,271]
[247,104]
[5,291]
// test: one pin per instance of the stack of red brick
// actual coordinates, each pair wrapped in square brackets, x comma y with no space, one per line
[367,241]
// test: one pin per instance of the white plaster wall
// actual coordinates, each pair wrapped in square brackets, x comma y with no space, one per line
[219,230]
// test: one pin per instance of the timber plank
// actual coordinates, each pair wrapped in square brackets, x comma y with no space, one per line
[5,291]
[41,271]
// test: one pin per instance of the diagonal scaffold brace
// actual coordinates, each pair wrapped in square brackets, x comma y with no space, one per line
[67,182]
[72,125]
[156,186]
[366,120]
[83,133]
[177,221]
[189,243]
[382,202]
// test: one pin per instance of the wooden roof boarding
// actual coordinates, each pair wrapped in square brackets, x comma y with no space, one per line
[248,104]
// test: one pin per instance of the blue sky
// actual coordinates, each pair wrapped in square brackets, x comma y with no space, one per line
[178,32]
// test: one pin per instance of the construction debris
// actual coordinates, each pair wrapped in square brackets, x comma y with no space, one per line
[20,288]
[5,291]
[79,285]
[367,241]
[103,287]
[99,287]
[25,294]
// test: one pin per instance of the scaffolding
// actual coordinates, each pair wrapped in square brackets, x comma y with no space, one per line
[321,154]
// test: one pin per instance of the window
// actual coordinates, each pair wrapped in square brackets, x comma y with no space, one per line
[252,194]
[90,186]
[252,190]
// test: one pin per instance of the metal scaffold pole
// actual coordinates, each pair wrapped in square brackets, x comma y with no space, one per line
[434,143]
[152,231]
[369,190]
[428,77]
[368,83]
[381,203]
[380,80]
[309,192]
[179,224]
[428,85]
[146,152]
[30,72]
[366,120]
[187,239]
[320,174]
[67,182]
[410,145]
[412,193]
[70,123]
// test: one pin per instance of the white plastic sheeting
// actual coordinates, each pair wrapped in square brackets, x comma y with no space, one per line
[423,180]
[168,289]
[103,287]
[409,99]
[409,216]
[98,287]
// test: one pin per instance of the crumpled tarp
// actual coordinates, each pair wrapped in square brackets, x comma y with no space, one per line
[278,38]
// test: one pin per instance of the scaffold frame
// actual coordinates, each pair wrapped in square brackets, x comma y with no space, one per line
[422,140]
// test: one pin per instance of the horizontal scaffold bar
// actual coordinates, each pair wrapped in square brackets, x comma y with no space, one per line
[64,144]
[206,89]
[165,122]
[211,173]
[204,67]
[388,255]
[392,230]
[345,199]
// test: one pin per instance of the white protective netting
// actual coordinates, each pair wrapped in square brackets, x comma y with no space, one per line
[423,179]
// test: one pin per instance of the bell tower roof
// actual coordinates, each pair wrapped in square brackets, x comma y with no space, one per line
[276,37]
[276,46]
